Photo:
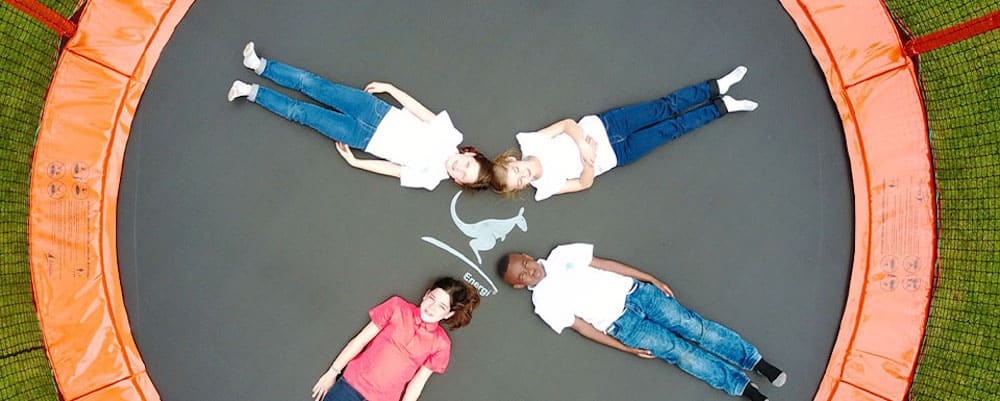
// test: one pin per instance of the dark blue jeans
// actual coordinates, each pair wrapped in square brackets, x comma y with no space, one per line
[636,130]
[660,324]
[342,391]
[354,116]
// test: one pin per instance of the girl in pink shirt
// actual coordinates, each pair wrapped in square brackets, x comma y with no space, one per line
[402,345]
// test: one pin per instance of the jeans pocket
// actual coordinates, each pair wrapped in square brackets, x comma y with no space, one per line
[612,329]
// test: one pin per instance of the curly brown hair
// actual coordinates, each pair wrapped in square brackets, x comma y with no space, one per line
[464,300]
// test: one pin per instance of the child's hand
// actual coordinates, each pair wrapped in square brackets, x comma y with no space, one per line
[323,385]
[663,287]
[642,353]
[346,153]
[378,87]
[588,151]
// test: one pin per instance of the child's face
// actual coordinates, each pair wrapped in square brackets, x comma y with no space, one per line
[435,306]
[462,167]
[519,175]
[523,271]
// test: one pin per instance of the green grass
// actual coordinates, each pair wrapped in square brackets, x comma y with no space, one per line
[27,61]
[926,16]
[962,92]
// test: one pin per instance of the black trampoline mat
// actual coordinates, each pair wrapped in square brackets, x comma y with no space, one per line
[250,252]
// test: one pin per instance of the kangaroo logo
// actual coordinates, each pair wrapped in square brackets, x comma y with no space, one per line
[484,236]
[485,233]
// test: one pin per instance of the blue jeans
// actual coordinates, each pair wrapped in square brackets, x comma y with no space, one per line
[354,115]
[658,323]
[636,130]
[342,391]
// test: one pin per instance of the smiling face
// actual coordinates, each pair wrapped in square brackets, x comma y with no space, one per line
[462,167]
[435,306]
[519,173]
[523,270]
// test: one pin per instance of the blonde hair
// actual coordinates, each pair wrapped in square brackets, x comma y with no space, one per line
[501,165]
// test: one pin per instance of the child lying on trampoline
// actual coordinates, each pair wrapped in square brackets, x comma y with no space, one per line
[566,156]
[378,367]
[419,147]
[630,310]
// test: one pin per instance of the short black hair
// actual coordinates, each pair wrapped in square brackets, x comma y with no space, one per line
[502,265]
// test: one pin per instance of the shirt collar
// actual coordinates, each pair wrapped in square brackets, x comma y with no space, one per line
[541,262]
[421,323]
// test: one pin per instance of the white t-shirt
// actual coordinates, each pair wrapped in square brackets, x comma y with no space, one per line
[560,157]
[421,148]
[572,288]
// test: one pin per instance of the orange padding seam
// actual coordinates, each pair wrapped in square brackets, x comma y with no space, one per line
[74,196]
[877,94]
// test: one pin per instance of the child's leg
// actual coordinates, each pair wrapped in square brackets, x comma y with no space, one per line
[353,102]
[713,337]
[336,126]
[648,335]
[624,121]
[638,144]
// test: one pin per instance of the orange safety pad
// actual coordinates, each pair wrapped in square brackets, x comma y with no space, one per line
[877,94]
[74,190]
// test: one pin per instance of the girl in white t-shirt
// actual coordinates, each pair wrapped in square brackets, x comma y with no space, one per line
[566,156]
[419,147]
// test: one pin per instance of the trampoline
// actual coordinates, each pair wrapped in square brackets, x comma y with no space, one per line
[250,252]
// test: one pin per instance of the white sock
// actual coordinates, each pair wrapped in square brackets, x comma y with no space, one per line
[738,105]
[250,59]
[239,89]
[730,79]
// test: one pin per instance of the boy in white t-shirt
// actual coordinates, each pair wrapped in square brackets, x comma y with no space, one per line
[630,310]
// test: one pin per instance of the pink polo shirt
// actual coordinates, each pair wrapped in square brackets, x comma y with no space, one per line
[406,343]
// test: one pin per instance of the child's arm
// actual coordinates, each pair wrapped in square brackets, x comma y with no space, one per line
[352,349]
[416,385]
[558,127]
[626,270]
[571,128]
[375,166]
[586,179]
[586,330]
[404,99]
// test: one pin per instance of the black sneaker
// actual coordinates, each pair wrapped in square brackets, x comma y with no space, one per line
[773,374]
[753,393]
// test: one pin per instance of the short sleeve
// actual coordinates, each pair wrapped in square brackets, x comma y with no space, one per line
[442,125]
[418,177]
[382,314]
[572,255]
[529,143]
[547,186]
[551,182]
[437,362]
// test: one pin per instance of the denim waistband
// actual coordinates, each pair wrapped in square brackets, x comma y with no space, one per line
[635,286]
[614,325]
